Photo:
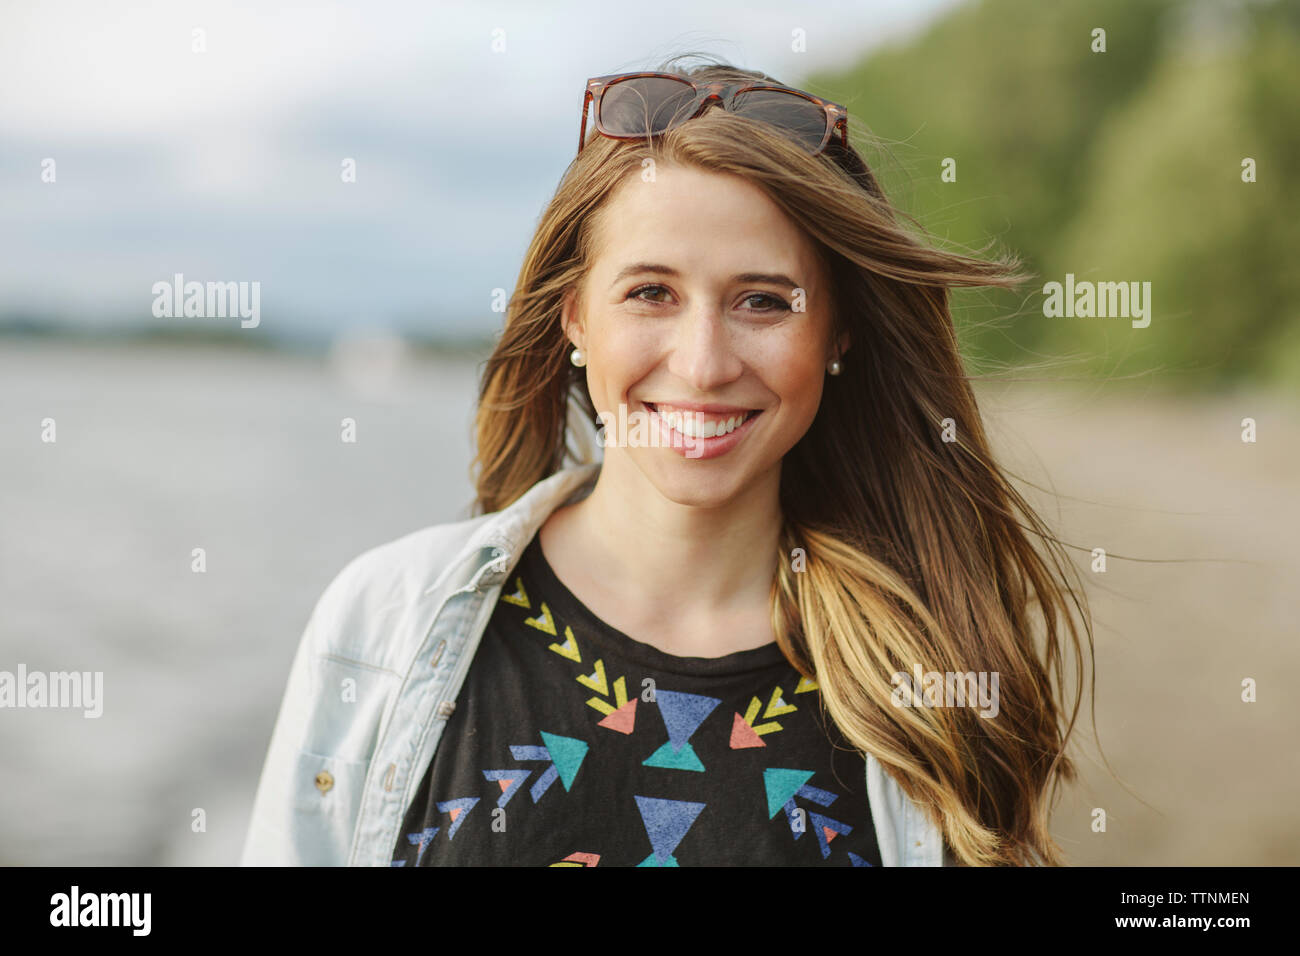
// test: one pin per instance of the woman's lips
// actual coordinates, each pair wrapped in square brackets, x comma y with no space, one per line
[697,447]
[706,422]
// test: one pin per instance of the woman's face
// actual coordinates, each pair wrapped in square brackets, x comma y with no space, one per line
[689,316]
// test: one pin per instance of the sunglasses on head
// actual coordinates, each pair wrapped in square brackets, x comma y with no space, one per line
[636,105]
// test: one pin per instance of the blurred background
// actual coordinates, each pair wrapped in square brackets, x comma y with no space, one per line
[378,170]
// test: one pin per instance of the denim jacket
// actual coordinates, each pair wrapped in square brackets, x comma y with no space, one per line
[376,676]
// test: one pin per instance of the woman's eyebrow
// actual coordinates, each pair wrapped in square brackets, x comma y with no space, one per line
[771,278]
[638,268]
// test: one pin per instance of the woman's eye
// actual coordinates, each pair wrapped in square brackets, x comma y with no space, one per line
[773,303]
[778,304]
[636,293]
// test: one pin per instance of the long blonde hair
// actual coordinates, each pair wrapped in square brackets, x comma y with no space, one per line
[913,547]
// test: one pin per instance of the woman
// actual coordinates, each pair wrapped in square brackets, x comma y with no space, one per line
[727,641]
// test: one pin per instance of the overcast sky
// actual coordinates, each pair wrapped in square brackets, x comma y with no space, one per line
[225,165]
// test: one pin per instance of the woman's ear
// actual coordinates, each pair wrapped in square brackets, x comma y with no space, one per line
[569,321]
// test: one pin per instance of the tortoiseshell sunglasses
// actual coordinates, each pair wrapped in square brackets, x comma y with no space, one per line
[630,105]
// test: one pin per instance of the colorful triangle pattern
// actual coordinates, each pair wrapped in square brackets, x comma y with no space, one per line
[666,757]
[510,781]
[666,823]
[623,719]
[458,810]
[743,735]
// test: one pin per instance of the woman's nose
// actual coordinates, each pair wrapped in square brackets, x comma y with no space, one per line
[703,353]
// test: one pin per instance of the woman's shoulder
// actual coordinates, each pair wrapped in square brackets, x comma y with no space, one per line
[409,563]
[368,603]
[374,591]
[418,560]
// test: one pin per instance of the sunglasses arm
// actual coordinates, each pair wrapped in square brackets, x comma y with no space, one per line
[582,132]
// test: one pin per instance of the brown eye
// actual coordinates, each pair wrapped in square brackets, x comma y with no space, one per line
[778,304]
[636,293]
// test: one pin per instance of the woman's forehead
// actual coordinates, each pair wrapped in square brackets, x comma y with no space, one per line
[682,223]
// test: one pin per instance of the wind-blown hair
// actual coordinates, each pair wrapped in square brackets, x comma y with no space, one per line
[917,550]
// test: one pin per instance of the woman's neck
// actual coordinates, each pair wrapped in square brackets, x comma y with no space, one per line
[692,580]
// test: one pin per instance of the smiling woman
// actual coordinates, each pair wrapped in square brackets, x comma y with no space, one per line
[700,353]
[717,266]
[689,635]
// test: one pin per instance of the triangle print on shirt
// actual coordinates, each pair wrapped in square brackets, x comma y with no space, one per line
[572,744]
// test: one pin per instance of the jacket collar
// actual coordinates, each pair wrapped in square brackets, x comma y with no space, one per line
[499,539]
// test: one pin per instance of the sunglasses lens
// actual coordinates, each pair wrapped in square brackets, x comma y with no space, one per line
[645,104]
[800,118]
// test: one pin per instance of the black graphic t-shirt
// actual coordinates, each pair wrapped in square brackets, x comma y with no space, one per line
[572,744]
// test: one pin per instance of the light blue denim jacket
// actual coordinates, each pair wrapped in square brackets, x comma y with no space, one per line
[376,676]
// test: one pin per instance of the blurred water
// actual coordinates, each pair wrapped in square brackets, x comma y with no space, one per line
[161,450]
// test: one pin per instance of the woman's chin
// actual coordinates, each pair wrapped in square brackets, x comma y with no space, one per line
[695,483]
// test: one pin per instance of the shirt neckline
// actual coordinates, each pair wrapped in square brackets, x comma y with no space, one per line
[533,560]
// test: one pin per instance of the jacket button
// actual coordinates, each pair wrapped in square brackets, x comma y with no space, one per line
[324,781]
[446,707]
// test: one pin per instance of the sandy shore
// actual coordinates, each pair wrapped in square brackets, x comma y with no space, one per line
[1200,777]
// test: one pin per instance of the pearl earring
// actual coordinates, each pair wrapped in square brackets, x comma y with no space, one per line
[577,358]
[834,367]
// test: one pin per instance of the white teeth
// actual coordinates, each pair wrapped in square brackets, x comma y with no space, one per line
[692,426]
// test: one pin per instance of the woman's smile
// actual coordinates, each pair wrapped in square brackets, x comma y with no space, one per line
[706,433]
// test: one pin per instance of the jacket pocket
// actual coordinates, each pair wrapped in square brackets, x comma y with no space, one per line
[311,823]
[348,703]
